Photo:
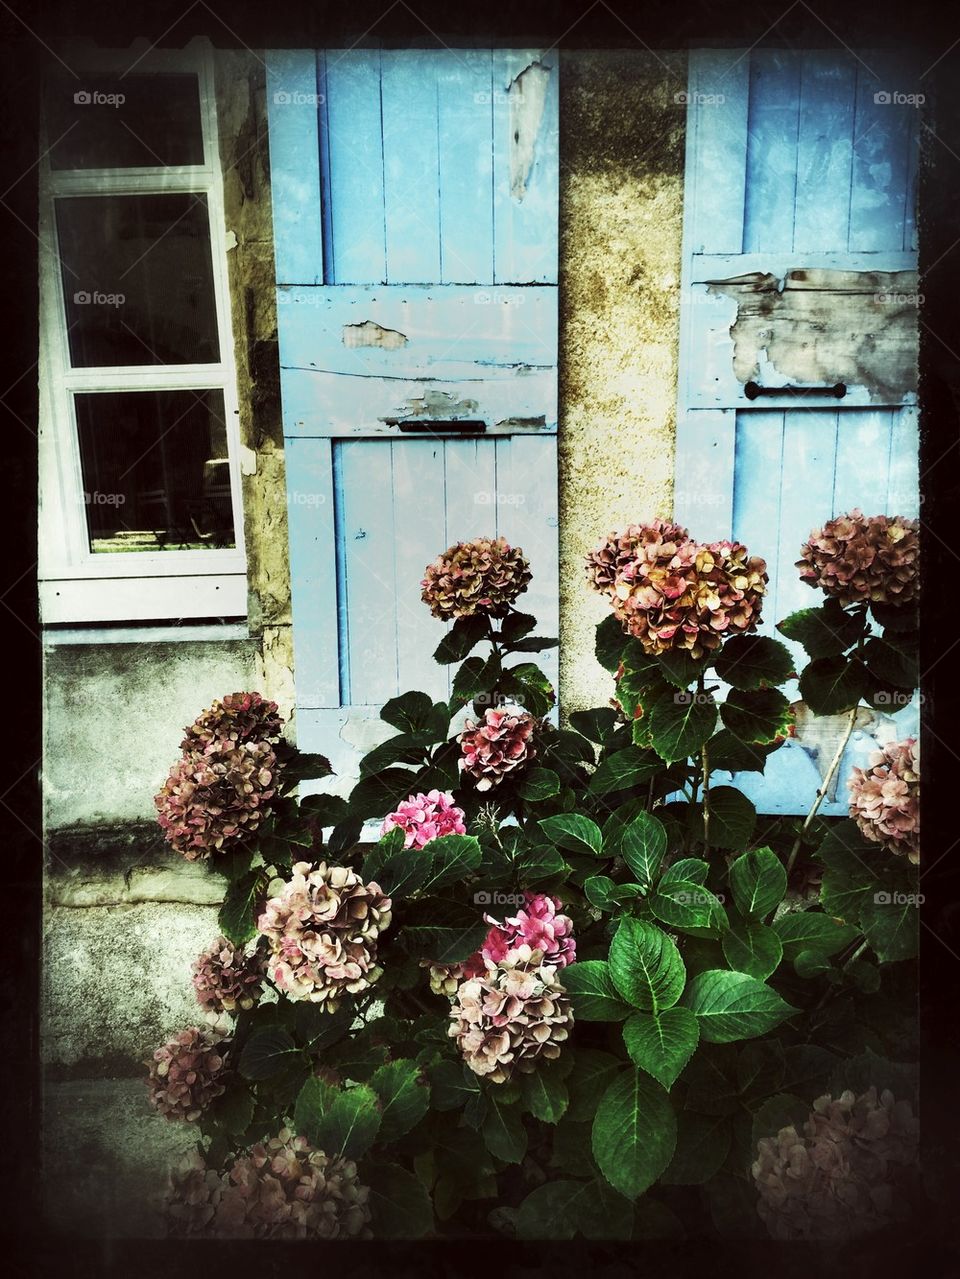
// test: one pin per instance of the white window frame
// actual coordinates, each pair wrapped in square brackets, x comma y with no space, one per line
[77,584]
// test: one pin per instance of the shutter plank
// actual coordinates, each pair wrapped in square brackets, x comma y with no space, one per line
[471,482]
[716,157]
[772,151]
[419,532]
[758,458]
[411,165]
[295,166]
[369,596]
[527,516]
[465,105]
[903,493]
[310,514]
[703,488]
[828,85]
[806,501]
[882,151]
[863,449]
[526,109]
[354,155]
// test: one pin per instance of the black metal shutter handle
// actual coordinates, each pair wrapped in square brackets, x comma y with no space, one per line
[438,426]
[753,390]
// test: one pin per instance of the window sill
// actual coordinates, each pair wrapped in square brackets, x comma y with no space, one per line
[209,632]
[139,599]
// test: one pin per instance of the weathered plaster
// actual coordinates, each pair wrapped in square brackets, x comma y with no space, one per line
[621,191]
[116,982]
[114,716]
[242,119]
[106,1154]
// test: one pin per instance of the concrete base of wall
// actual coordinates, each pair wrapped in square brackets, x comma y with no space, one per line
[106,1157]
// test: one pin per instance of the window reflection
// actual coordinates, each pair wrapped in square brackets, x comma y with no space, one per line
[156,474]
[138,279]
[119,122]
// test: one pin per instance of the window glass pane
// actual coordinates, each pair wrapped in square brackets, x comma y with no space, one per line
[138,279]
[156,475]
[119,122]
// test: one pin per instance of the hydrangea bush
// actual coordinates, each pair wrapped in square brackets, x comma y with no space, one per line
[573,983]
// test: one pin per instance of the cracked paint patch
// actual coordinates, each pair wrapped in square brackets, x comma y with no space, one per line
[819,327]
[438,404]
[527,93]
[369,333]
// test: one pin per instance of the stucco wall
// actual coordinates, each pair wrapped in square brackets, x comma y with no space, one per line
[114,716]
[245,162]
[621,205]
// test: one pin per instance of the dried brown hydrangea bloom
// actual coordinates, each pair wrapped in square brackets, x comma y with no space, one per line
[238,717]
[444,978]
[214,798]
[857,557]
[619,550]
[511,1016]
[323,930]
[186,1073]
[280,1189]
[885,798]
[842,1175]
[482,577]
[491,750]
[227,978]
[672,593]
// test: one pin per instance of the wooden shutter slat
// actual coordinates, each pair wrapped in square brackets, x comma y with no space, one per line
[411,166]
[768,215]
[828,85]
[295,166]
[465,132]
[310,516]
[353,144]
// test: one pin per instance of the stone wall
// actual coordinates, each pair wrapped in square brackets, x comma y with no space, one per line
[621,207]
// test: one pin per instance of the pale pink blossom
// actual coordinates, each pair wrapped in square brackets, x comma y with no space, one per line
[423,817]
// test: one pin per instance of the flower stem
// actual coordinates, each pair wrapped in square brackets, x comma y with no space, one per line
[843,968]
[706,800]
[822,791]
[705,780]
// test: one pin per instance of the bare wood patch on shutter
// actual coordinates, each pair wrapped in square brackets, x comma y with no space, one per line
[369,333]
[436,404]
[528,95]
[820,327]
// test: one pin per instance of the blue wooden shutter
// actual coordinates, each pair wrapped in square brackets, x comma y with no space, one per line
[415,217]
[801,181]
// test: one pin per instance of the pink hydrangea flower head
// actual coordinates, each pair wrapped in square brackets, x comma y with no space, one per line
[238,717]
[280,1189]
[885,798]
[492,749]
[857,557]
[186,1073]
[482,577]
[215,797]
[536,924]
[424,817]
[323,929]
